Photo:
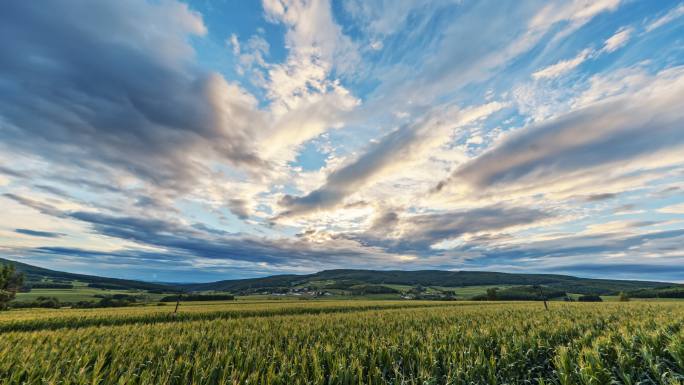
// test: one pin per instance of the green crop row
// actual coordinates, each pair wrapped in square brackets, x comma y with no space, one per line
[521,343]
[74,318]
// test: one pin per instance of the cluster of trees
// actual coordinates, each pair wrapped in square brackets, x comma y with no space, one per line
[107,286]
[116,300]
[589,298]
[45,285]
[664,292]
[372,289]
[10,283]
[520,293]
[198,297]
[44,302]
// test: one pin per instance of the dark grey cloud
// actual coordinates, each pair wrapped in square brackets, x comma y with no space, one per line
[11,172]
[372,249]
[626,208]
[180,246]
[385,222]
[599,197]
[668,191]
[673,271]
[668,272]
[137,264]
[37,233]
[41,207]
[426,229]
[199,241]
[239,207]
[605,269]
[603,134]
[591,247]
[52,190]
[417,233]
[111,85]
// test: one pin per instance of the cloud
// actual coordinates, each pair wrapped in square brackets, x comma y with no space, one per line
[37,233]
[41,207]
[322,149]
[380,18]
[317,47]
[425,230]
[575,14]
[673,14]
[642,271]
[431,236]
[113,87]
[239,207]
[171,239]
[600,197]
[614,247]
[562,67]
[304,94]
[618,40]
[412,84]
[673,209]
[234,44]
[391,153]
[312,30]
[608,133]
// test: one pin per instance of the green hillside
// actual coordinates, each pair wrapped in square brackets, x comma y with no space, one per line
[422,284]
[38,276]
[342,279]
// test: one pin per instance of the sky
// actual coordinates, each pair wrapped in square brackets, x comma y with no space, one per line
[218,139]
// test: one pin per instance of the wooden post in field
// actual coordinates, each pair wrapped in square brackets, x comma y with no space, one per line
[541,293]
[177,303]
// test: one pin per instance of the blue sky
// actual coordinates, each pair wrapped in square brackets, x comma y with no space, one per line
[205,140]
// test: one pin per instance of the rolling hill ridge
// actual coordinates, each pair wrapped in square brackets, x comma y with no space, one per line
[354,280]
[34,274]
[348,278]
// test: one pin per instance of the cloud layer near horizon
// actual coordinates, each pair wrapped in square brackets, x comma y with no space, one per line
[183,141]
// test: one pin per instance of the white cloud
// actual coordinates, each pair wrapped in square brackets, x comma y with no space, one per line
[575,12]
[668,17]
[380,18]
[562,67]
[621,81]
[396,151]
[618,40]
[234,44]
[312,31]
[609,146]
[376,45]
[490,46]
[305,99]
[673,209]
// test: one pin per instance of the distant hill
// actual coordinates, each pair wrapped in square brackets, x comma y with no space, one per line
[347,278]
[39,274]
[368,281]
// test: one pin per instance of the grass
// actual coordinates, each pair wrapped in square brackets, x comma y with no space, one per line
[347,342]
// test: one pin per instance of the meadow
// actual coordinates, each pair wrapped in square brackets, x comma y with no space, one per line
[347,342]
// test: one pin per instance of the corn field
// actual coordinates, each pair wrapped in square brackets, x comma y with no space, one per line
[348,342]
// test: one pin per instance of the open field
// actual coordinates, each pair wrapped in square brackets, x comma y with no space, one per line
[347,342]
[78,294]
